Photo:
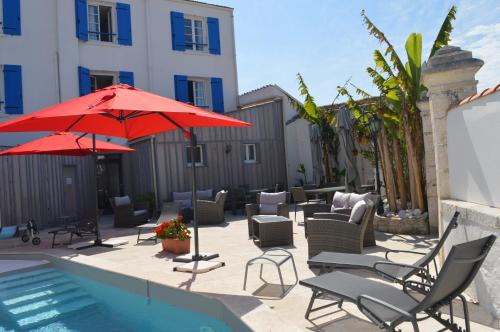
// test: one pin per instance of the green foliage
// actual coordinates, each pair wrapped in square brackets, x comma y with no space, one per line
[302,170]
[444,34]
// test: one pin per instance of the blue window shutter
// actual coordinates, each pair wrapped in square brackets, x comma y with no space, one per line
[213,35]
[84,80]
[127,77]
[82,29]
[12,17]
[13,82]
[217,95]
[181,88]
[124,23]
[177,28]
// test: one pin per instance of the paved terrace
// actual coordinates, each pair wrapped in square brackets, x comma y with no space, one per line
[260,306]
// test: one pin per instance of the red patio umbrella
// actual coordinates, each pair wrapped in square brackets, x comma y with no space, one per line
[124,111]
[64,144]
[67,144]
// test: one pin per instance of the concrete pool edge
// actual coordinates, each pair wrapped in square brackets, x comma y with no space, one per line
[241,311]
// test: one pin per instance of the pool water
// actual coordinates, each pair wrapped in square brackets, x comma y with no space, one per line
[49,299]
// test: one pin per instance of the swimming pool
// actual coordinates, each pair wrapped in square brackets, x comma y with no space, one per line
[49,298]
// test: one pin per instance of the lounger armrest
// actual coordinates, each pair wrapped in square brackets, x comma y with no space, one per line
[328,215]
[251,209]
[394,251]
[418,286]
[372,316]
[415,267]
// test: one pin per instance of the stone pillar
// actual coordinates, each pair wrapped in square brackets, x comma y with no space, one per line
[430,166]
[449,77]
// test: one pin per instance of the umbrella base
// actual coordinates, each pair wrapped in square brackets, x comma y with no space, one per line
[187,258]
[199,266]
[97,243]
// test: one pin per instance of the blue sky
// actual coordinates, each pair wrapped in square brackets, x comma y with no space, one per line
[327,43]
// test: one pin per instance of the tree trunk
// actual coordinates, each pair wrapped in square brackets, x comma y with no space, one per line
[400,178]
[390,186]
[418,200]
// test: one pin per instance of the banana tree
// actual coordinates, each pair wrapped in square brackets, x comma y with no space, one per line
[407,76]
[323,119]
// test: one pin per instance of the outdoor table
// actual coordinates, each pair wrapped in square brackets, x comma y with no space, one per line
[272,230]
[328,191]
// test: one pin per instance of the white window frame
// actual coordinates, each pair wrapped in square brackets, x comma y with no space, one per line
[114,25]
[202,159]
[104,73]
[204,27]
[206,92]
[247,159]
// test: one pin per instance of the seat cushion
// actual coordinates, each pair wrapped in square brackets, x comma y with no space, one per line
[340,200]
[183,203]
[357,212]
[140,212]
[354,198]
[124,200]
[204,194]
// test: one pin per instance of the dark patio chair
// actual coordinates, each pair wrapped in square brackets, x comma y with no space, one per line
[388,306]
[388,269]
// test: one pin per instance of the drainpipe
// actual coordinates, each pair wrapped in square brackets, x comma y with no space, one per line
[154,174]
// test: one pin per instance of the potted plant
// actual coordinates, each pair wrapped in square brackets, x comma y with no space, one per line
[175,236]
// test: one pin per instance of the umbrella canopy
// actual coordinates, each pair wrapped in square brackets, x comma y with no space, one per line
[344,128]
[64,144]
[119,110]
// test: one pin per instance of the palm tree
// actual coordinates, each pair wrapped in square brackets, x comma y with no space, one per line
[322,118]
[403,82]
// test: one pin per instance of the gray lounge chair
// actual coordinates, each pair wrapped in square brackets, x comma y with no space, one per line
[388,269]
[388,306]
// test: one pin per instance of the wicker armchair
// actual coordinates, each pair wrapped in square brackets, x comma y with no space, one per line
[253,209]
[124,213]
[212,212]
[335,233]
[311,209]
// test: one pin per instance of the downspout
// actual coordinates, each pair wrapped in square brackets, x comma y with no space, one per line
[58,64]
[152,141]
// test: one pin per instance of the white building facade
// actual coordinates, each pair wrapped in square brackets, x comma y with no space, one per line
[55,50]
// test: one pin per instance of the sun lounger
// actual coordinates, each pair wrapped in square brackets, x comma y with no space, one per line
[388,307]
[385,267]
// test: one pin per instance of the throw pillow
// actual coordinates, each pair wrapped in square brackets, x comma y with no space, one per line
[357,212]
[204,194]
[340,201]
[183,203]
[354,198]
[273,198]
[268,208]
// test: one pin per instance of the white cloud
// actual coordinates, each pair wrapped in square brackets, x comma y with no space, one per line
[484,42]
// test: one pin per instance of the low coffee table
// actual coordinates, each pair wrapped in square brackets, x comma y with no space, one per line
[271,230]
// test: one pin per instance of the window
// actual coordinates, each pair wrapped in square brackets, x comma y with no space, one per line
[100,22]
[101,80]
[198,155]
[250,153]
[194,34]
[197,92]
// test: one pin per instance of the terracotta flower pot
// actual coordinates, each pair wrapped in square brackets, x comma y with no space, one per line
[176,246]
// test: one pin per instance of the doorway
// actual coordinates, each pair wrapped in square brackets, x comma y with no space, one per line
[109,179]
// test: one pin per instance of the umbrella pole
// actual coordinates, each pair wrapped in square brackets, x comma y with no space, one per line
[197,256]
[98,241]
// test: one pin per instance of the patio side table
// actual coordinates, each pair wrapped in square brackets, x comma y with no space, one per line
[272,230]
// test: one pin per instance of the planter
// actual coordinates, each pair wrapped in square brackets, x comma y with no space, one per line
[176,246]
[396,225]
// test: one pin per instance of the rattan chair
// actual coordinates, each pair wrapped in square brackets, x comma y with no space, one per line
[253,209]
[212,212]
[125,214]
[300,199]
[335,233]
